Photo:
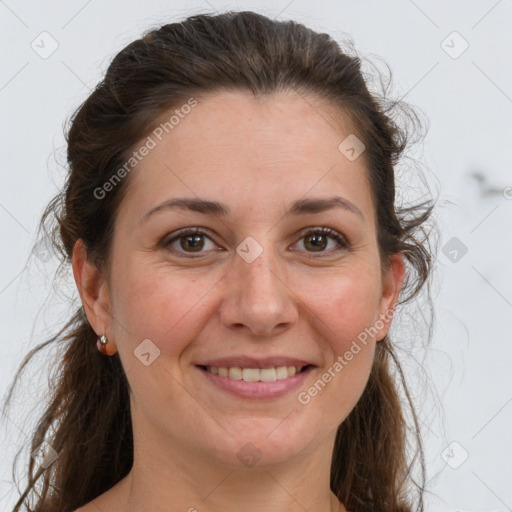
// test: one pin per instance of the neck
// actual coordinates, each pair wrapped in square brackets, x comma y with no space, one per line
[159,479]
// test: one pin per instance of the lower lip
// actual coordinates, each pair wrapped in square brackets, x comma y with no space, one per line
[259,389]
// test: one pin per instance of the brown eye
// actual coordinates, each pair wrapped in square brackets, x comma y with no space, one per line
[188,242]
[194,242]
[317,240]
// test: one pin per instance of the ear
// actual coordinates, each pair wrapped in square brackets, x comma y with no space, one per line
[391,287]
[93,288]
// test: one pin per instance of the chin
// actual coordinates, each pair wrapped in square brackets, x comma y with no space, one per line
[263,442]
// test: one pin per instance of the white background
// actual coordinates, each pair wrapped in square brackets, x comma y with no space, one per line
[468,101]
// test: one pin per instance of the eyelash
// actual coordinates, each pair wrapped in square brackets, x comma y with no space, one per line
[340,239]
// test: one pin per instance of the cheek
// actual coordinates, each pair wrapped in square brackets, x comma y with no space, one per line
[345,321]
[346,310]
[158,304]
[353,311]
[164,305]
[346,304]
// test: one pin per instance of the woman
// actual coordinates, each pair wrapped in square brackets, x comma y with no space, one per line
[231,223]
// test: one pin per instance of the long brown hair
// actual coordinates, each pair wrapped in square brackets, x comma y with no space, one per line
[89,428]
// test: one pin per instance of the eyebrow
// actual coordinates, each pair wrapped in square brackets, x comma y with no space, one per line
[299,207]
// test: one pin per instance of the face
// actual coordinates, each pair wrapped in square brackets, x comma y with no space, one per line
[253,285]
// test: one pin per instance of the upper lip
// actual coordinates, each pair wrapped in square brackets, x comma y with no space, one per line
[252,362]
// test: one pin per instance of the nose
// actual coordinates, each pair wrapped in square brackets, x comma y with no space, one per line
[257,300]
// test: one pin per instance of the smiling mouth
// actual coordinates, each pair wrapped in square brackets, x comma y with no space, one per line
[272,374]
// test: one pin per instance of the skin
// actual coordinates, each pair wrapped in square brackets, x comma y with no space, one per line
[256,155]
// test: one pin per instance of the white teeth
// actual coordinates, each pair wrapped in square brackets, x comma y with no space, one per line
[281,372]
[235,373]
[267,375]
[251,374]
[255,374]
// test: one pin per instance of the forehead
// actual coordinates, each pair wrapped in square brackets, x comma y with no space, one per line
[235,147]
